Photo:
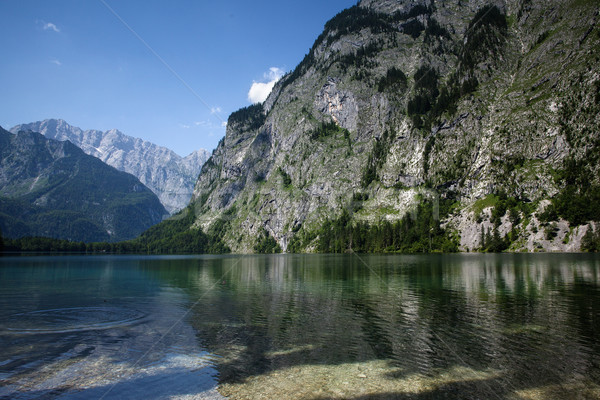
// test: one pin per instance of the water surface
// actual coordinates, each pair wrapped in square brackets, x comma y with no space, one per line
[301,326]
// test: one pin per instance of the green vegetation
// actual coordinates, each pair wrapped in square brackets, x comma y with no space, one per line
[431,96]
[492,242]
[126,219]
[501,204]
[435,30]
[578,204]
[377,158]
[357,201]
[425,93]
[485,37]
[329,129]
[360,59]
[354,20]
[579,198]
[252,117]
[394,79]
[266,244]
[176,235]
[418,232]
[488,201]
[419,9]
[44,244]
[591,241]
[426,153]
[287,181]
[413,28]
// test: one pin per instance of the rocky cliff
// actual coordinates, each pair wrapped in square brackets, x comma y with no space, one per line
[168,175]
[488,108]
[53,189]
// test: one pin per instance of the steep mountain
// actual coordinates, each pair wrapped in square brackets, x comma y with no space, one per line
[418,126]
[168,175]
[53,189]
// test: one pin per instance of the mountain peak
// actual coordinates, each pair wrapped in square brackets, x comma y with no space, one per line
[52,188]
[400,103]
[168,175]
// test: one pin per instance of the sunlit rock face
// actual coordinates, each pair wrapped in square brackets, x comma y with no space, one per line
[168,175]
[477,100]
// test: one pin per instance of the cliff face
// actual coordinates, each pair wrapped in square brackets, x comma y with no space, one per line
[484,105]
[168,175]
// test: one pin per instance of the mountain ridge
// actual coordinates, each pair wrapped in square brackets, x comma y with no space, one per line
[52,188]
[170,176]
[488,109]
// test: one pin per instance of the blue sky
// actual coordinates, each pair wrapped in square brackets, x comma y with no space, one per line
[167,71]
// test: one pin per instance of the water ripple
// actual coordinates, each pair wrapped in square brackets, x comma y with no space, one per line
[73,319]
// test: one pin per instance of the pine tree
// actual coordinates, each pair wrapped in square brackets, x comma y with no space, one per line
[482,239]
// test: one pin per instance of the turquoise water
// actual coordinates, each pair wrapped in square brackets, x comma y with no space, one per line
[300,326]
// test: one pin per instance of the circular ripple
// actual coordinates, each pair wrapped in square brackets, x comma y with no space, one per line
[76,319]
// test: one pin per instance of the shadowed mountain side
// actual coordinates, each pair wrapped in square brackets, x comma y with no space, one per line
[53,189]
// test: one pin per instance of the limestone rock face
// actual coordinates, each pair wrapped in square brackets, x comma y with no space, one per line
[168,175]
[404,100]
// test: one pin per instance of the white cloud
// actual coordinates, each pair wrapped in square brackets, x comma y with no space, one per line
[184,126]
[274,73]
[49,26]
[259,91]
[215,110]
[56,62]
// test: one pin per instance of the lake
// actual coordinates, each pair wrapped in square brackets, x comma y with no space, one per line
[465,326]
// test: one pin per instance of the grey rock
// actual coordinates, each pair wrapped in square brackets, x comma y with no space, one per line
[504,136]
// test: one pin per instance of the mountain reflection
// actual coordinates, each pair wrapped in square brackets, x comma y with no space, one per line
[517,324]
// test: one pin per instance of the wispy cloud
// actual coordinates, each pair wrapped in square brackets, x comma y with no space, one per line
[49,26]
[204,125]
[215,110]
[259,91]
[56,62]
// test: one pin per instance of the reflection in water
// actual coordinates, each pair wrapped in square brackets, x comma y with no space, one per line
[465,326]
[302,326]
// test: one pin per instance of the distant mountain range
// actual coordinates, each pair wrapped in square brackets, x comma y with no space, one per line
[170,176]
[52,188]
